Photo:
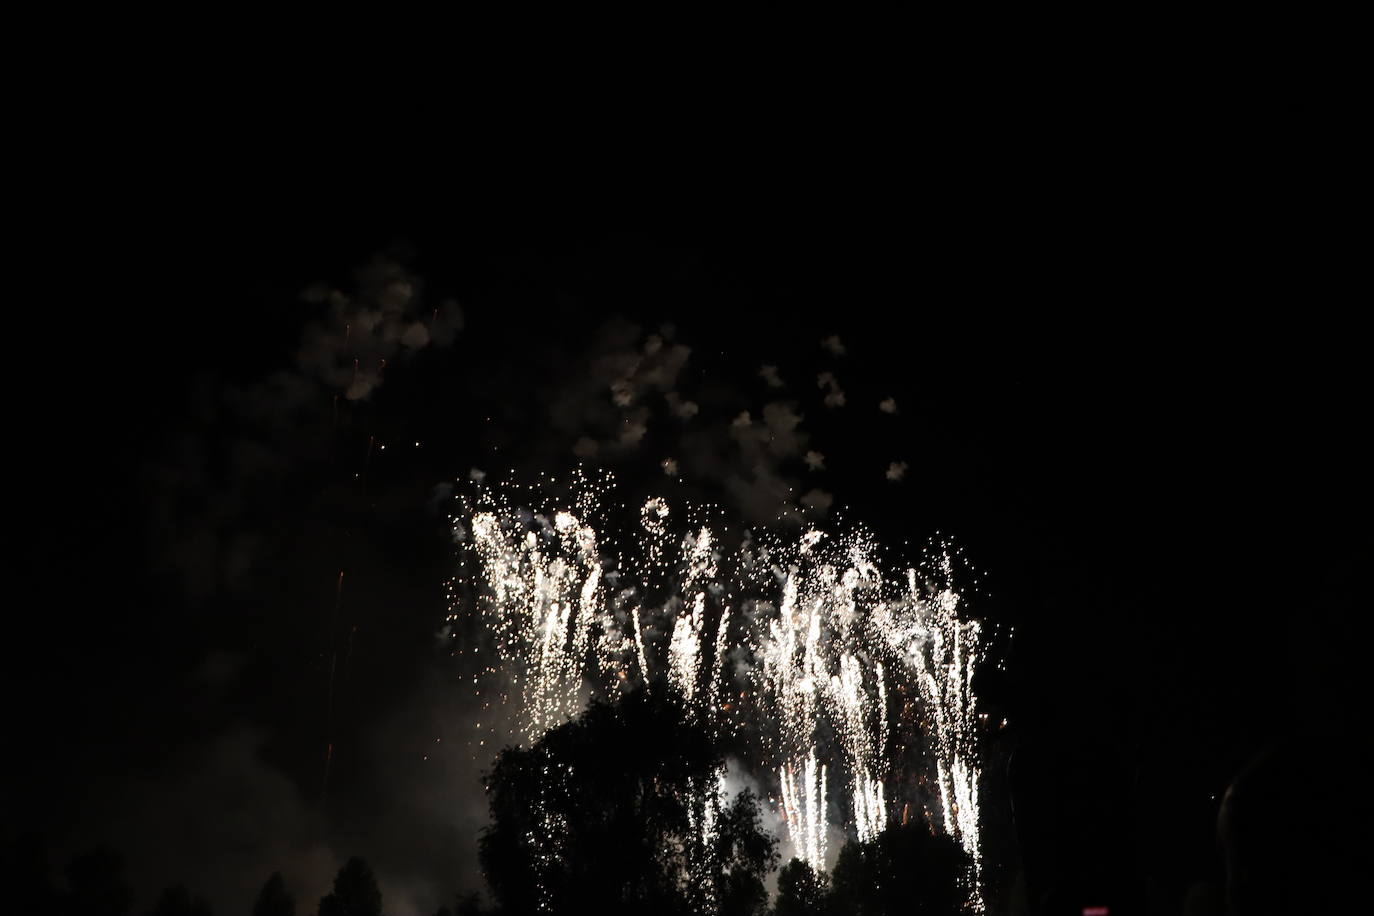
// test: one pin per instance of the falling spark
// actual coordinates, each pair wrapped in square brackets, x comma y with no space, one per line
[329,701]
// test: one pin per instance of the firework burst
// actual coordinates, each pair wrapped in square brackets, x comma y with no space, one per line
[786,647]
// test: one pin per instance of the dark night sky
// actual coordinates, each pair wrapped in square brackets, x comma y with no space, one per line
[1120,335]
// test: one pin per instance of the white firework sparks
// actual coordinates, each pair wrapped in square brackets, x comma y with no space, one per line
[544,590]
[945,661]
[684,652]
[803,808]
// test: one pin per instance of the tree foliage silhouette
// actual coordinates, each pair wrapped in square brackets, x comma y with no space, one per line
[273,900]
[745,853]
[177,901]
[97,885]
[355,892]
[468,905]
[801,891]
[27,878]
[604,813]
[906,870]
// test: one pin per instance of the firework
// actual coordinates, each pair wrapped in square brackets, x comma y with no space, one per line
[801,638]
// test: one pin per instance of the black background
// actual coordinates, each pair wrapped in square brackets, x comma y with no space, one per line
[1120,321]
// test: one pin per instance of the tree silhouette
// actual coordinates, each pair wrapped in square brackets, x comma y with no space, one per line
[801,891]
[355,892]
[177,901]
[606,813]
[273,900]
[97,886]
[27,878]
[906,870]
[468,905]
[745,853]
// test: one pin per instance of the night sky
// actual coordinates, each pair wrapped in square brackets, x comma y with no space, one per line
[1130,383]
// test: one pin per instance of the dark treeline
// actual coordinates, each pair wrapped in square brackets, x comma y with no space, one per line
[604,814]
[94,885]
[906,870]
[600,815]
